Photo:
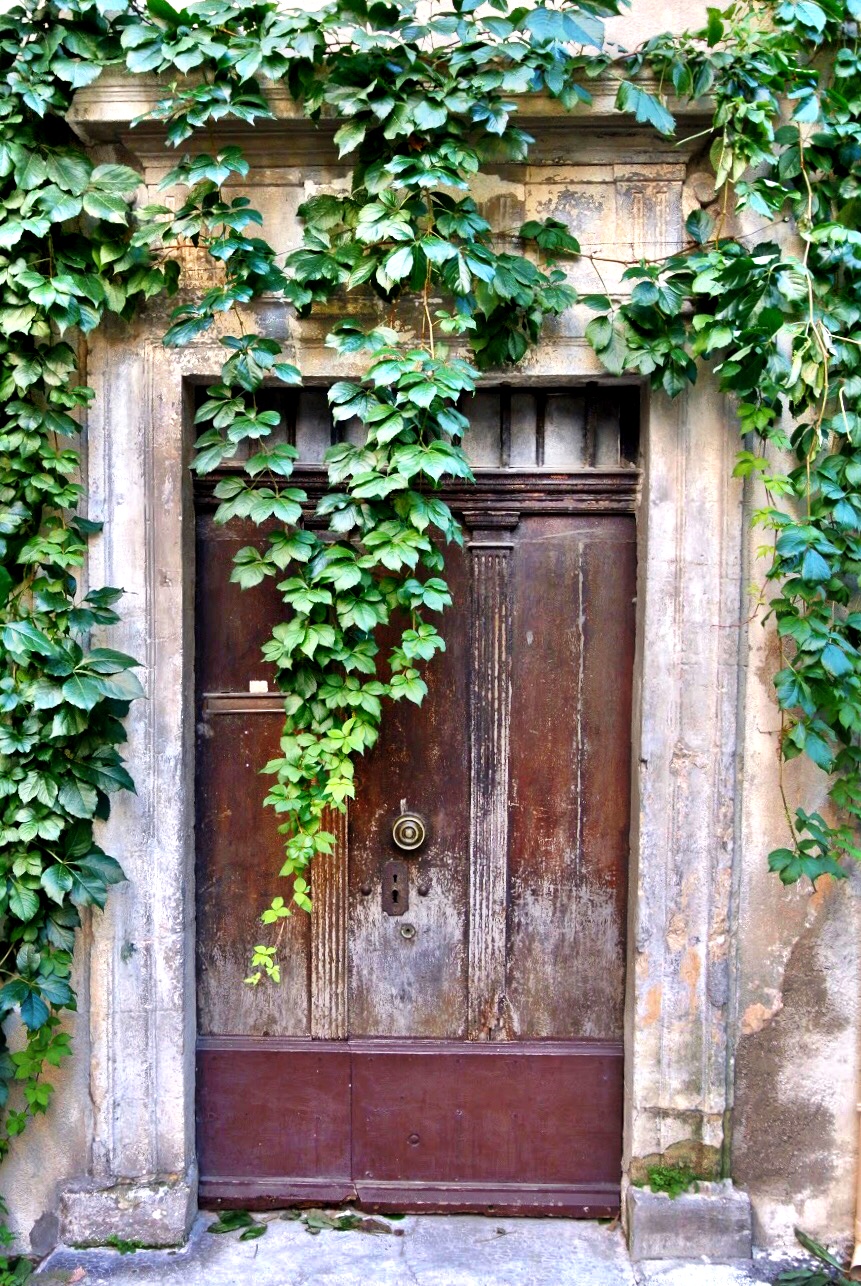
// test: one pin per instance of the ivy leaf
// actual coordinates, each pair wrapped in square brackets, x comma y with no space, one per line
[77,797]
[699,225]
[17,317]
[34,1012]
[107,206]
[69,171]
[645,106]
[599,333]
[23,901]
[120,687]
[349,136]
[38,786]
[553,26]
[23,638]
[814,568]
[104,660]
[399,263]
[166,13]
[82,691]
[792,866]
[835,660]
[57,882]
[77,72]
[106,868]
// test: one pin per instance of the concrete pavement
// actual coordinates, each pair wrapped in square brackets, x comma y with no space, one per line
[429,1250]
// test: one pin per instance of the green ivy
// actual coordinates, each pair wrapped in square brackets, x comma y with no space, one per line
[423,101]
[776,319]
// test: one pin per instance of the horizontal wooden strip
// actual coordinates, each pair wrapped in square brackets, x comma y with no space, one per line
[431,1048]
[262,1194]
[526,491]
[243,703]
[590,1201]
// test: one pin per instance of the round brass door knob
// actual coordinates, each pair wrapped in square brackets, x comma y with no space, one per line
[409,832]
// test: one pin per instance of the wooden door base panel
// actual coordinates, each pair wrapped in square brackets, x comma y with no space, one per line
[572,1201]
[522,1127]
[576,1201]
[234,1192]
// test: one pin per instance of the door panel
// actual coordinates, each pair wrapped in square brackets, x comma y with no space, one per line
[243,853]
[417,985]
[572,601]
[488,1118]
[462,1052]
[274,1118]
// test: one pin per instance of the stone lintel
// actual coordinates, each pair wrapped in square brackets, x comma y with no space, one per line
[154,1212]
[105,112]
[712,1223]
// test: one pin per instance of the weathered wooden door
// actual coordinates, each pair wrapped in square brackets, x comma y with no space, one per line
[447,1032]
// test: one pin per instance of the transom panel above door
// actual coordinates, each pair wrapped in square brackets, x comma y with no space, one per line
[447,1033]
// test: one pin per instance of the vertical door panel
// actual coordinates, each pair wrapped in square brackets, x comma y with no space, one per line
[238,845]
[572,589]
[415,985]
[238,881]
[232,623]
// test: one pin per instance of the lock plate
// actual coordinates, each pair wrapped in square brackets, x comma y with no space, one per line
[396,887]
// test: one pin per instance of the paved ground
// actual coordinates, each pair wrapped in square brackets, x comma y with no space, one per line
[432,1250]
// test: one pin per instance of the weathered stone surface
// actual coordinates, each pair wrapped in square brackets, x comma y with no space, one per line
[154,1214]
[434,1250]
[713,1223]
[429,1250]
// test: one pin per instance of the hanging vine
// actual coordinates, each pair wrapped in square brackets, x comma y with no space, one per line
[424,99]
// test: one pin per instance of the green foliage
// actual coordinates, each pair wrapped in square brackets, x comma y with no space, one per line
[407,231]
[671,1179]
[66,260]
[777,322]
[15,1270]
[827,1271]
[315,1221]
[423,100]
[122,1246]
[249,1228]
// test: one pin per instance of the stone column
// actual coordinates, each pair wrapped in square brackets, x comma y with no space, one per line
[141,1180]
[681,943]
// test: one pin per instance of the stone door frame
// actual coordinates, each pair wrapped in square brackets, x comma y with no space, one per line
[138,959]
[142,1172]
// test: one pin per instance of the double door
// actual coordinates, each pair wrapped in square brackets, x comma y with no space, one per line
[447,1031]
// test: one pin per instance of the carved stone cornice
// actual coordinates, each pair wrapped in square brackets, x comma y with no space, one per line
[104,113]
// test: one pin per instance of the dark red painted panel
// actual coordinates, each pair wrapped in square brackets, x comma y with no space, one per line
[264,1112]
[436,1125]
[487,1114]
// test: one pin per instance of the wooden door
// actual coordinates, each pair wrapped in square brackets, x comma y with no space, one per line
[447,1033]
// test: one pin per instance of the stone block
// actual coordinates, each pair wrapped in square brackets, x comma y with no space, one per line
[153,1213]
[712,1223]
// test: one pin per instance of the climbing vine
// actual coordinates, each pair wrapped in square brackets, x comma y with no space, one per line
[423,98]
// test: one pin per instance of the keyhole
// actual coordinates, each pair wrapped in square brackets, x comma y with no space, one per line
[395,888]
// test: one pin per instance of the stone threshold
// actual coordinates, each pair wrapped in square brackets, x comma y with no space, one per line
[419,1250]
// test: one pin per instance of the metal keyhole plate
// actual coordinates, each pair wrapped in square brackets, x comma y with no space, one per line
[396,888]
[409,832]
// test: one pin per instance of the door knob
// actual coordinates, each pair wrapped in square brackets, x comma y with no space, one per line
[409,832]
